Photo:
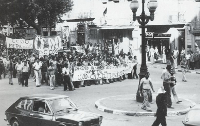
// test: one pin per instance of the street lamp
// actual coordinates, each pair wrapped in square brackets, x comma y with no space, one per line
[143,19]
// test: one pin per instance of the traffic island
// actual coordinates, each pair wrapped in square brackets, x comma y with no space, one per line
[127,105]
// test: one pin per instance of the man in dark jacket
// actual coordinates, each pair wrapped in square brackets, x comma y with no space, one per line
[161,108]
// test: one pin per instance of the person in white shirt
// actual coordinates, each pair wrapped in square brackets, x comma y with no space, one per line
[164,55]
[156,53]
[182,54]
[66,77]
[25,70]
[18,68]
[134,74]
[175,56]
[5,62]
[32,60]
[152,51]
[51,71]
[37,70]
[145,89]
[187,56]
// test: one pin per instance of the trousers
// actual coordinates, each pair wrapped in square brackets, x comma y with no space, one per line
[160,120]
[25,76]
[168,93]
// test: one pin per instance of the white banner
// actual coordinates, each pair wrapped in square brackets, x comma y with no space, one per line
[19,43]
[47,45]
[99,72]
[79,49]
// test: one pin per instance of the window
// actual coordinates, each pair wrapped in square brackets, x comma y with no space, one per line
[26,104]
[62,104]
[41,107]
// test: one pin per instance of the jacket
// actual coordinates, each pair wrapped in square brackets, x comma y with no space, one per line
[161,105]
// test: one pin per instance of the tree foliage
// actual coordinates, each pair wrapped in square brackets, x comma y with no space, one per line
[35,13]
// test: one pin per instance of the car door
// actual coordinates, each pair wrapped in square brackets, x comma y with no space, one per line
[42,115]
[48,117]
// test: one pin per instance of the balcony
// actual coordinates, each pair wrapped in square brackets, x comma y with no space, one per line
[196,25]
[196,28]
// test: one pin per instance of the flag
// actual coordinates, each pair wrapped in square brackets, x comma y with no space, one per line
[105,12]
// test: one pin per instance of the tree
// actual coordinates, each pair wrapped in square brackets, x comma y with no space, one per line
[35,13]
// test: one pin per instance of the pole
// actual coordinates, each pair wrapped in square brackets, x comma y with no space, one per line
[143,68]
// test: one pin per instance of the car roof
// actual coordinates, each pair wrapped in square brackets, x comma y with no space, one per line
[45,96]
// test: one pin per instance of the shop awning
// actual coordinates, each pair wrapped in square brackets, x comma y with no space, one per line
[80,20]
[113,27]
[162,28]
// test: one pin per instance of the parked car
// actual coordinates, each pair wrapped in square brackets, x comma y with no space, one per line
[192,118]
[49,110]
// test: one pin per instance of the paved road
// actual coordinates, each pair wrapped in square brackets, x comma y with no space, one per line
[85,97]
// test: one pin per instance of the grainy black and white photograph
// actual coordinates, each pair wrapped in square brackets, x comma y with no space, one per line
[99,62]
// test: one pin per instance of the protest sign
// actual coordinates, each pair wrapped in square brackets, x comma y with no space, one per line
[96,72]
[19,43]
[47,45]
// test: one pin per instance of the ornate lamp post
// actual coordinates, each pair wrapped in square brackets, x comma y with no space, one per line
[143,19]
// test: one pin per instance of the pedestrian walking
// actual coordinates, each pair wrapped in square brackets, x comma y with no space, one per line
[145,87]
[44,72]
[166,76]
[175,56]
[164,59]
[152,51]
[183,68]
[32,61]
[172,86]
[25,74]
[37,70]
[51,71]
[18,68]
[161,112]
[135,68]
[10,70]
[192,61]
[2,69]
[187,56]
[66,78]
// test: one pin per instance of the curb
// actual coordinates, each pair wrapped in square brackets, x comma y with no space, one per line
[193,72]
[133,113]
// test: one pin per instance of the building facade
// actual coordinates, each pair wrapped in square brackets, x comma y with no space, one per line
[113,18]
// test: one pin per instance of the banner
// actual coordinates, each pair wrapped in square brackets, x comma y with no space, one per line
[47,45]
[100,72]
[19,43]
[78,49]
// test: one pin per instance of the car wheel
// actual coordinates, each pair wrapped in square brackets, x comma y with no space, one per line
[15,123]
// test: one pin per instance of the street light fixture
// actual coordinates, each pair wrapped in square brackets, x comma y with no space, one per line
[143,19]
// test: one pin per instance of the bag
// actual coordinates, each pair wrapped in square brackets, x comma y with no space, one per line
[172,84]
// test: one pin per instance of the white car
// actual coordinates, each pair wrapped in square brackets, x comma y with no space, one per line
[192,118]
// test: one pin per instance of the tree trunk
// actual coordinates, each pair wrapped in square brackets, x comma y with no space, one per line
[49,31]
[39,31]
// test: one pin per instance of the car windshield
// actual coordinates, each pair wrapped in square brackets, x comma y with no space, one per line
[62,104]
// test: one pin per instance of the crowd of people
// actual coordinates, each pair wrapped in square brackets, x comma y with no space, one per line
[56,70]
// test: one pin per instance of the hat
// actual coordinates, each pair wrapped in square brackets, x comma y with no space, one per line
[161,90]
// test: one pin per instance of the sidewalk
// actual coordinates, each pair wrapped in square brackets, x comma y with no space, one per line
[127,105]
[163,66]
